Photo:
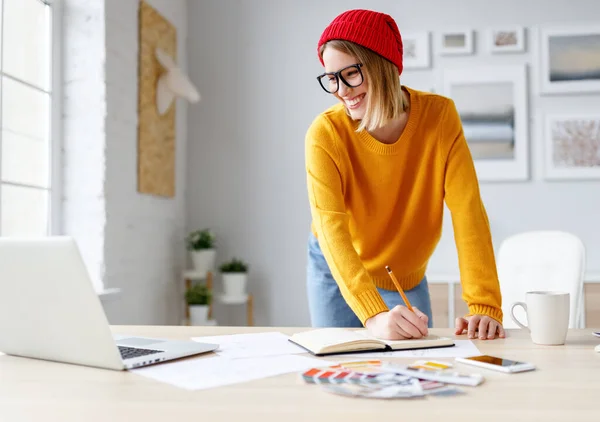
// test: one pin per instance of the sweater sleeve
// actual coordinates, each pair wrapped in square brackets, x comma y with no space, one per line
[325,193]
[479,278]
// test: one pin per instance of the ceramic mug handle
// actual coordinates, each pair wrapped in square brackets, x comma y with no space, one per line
[514,318]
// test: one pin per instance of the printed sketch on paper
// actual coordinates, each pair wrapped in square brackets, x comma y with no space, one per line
[576,143]
[574,57]
[488,115]
[410,48]
[416,50]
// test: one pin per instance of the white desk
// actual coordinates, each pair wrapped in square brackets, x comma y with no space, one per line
[566,387]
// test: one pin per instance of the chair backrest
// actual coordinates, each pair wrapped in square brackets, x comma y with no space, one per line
[541,260]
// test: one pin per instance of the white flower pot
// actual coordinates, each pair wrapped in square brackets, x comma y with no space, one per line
[198,314]
[204,260]
[234,284]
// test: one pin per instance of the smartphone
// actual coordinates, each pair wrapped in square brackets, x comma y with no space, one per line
[497,364]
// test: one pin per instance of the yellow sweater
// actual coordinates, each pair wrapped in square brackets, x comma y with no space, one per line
[376,204]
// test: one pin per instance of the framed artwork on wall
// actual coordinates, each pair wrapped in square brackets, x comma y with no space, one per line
[417,51]
[506,40]
[572,146]
[492,103]
[455,42]
[156,132]
[570,59]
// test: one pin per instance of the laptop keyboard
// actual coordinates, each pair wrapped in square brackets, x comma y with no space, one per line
[134,352]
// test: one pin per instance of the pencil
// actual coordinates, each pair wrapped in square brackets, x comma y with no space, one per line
[399,287]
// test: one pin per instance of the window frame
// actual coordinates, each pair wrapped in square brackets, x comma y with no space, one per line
[54,198]
[56,140]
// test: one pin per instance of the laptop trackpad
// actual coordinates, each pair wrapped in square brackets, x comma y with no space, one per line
[137,341]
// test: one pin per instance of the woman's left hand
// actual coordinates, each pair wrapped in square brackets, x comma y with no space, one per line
[486,327]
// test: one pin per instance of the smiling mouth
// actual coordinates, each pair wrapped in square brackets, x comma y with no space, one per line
[354,102]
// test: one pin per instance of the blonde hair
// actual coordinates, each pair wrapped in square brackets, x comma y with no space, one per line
[385,101]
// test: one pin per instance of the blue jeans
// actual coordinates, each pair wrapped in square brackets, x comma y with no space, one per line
[325,301]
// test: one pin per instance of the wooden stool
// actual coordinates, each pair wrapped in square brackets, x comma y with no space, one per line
[189,277]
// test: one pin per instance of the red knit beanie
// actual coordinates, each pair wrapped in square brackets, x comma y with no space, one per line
[373,30]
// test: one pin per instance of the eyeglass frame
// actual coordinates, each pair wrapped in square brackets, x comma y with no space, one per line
[339,77]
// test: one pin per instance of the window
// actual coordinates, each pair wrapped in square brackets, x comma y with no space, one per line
[26,107]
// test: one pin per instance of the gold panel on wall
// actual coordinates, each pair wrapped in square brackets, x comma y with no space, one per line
[156,133]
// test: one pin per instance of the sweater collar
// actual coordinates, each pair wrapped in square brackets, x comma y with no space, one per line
[390,149]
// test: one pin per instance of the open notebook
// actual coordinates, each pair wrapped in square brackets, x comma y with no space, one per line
[329,341]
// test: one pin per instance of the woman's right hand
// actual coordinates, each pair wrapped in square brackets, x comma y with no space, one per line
[398,323]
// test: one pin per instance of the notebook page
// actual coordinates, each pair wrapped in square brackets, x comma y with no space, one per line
[430,338]
[326,337]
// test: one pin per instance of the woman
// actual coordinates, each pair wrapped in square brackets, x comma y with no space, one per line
[379,167]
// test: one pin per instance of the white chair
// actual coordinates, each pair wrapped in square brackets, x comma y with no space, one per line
[541,260]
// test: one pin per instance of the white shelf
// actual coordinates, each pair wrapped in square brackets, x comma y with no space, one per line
[233,300]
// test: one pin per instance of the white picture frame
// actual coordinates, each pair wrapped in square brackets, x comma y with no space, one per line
[506,40]
[417,50]
[569,61]
[571,146]
[455,42]
[492,103]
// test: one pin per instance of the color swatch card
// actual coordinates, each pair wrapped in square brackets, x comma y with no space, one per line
[434,371]
[357,372]
[378,380]
[343,376]
[410,387]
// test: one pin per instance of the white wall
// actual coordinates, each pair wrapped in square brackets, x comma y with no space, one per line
[131,241]
[84,132]
[255,64]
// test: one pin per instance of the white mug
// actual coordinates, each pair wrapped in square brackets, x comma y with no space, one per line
[547,315]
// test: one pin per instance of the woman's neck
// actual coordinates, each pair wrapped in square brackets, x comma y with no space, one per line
[390,133]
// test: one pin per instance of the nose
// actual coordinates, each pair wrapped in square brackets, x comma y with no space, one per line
[343,89]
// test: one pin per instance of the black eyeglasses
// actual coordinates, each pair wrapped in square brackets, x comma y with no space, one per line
[351,76]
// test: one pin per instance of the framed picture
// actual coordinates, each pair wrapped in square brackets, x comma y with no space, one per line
[570,59]
[417,52]
[572,146]
[492,104]
[506,40]
[456,42]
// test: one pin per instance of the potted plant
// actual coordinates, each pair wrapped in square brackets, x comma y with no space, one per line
[198,298]
[201,244]
[235,277]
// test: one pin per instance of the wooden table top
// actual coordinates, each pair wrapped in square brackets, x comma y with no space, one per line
[565,387]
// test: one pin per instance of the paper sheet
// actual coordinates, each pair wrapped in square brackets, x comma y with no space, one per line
[203,373]
[462,348]
[252,345]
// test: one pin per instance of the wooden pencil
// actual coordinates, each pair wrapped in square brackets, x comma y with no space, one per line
[399,287]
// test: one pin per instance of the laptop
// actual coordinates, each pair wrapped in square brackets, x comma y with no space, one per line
[49,310]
